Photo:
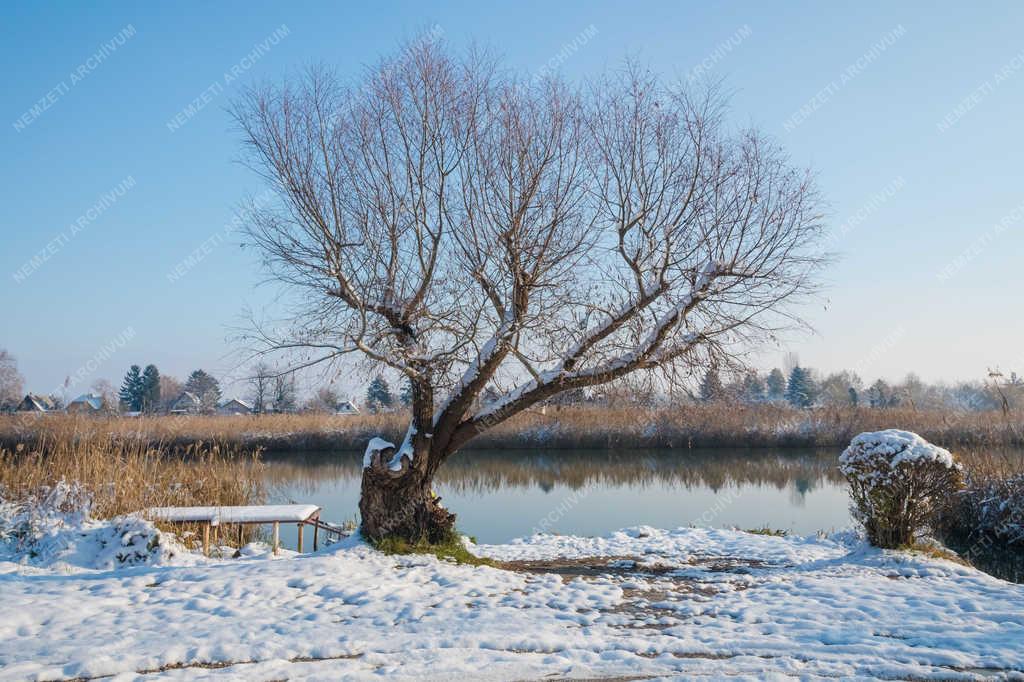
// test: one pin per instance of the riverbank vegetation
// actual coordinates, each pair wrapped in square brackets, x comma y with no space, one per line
[73,466]
[689,426]
[984,520]
[121,465]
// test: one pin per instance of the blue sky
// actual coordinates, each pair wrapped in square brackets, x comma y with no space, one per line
[911,118]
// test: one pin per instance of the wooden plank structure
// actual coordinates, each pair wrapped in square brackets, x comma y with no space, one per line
[272,514]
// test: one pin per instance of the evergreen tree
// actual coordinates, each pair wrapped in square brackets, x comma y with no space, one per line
[150,389]
[131,393]
[711,389]
[378,395]
[752,388]
[405,395]
[854,397]
[800,391]
[882,395]
[776,385]
[204,387]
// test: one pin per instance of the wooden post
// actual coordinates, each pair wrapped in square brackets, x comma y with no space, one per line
[300,538]
[206,539]
[316,532]
[241,529]
[277,535]
[216,538]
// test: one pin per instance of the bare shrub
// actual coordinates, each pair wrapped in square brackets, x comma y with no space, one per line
[989,511]
[897,481]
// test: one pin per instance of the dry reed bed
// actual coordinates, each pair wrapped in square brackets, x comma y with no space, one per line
[989,510]
[697,426]
[113,475]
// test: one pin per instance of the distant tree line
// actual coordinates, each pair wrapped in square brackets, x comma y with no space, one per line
[803,387]
[149,392]
[146,390]
[274,391]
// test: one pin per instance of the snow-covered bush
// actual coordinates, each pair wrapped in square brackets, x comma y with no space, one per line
[26,520]
[53,527]
[898,481]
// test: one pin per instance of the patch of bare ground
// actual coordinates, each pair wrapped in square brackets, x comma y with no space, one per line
[621,678]
[649,587]
[211,665]
[588,567]
[631,566]
[955,672]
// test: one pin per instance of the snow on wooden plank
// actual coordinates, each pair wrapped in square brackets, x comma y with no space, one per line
[268,513]
[181,514]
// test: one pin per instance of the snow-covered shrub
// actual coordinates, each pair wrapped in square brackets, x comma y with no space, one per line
[898,481]
[25,521]
[53,527]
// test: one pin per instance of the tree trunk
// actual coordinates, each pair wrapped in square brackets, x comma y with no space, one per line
[400,504]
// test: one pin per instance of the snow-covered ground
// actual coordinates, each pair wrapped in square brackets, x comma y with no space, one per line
[640,602]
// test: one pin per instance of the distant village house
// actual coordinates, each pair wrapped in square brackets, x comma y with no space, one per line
[186,403]
[36,403]
[234,407]
[347,407]
[88,403]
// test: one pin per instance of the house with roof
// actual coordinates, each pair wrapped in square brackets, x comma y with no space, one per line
[87,403]
[346,407]
[36,403]
[186,403]
[234,406]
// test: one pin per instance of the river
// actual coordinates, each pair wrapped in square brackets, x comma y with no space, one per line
[501,495]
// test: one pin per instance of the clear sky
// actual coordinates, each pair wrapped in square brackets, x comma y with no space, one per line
[911,113]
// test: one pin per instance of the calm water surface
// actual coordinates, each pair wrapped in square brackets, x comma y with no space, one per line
[501,495]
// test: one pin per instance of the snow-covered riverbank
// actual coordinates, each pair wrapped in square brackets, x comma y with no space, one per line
[641,602]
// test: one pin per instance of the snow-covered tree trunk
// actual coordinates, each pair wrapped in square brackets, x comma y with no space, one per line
[400,503]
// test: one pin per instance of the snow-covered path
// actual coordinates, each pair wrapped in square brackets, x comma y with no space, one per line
[690,602]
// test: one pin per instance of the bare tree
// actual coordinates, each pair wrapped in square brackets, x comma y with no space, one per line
[284,392]
[260,387]
[104,389]
[170,389]
[11,382]
[472,231]
[325,400]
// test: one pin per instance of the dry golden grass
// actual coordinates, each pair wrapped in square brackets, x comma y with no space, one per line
[119,475]
[692,426]
[177,433]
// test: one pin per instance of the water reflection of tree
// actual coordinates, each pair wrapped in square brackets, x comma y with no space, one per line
[798,491]
[492,470]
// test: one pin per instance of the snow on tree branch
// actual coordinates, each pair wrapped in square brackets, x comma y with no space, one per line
[472,230]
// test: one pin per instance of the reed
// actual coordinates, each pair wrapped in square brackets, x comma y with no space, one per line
[119,475]
[690,426]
